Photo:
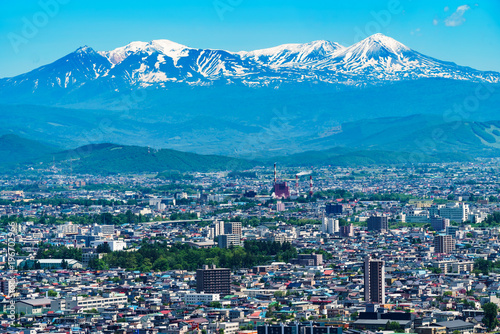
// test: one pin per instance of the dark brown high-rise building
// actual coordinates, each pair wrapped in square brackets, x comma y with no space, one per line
[374,281]
[444,244]
[213,280]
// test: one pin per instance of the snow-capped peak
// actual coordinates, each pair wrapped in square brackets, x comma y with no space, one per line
[163,46]
[377,41]
[376,59]
[287,54]
[84,49]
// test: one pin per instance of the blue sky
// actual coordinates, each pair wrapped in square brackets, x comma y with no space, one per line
[34,33]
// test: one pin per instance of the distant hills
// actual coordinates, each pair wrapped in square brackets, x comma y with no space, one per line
[14,150]
[110,158]
[258,122]
[104,159]
[418,134]
[351,157]
[114,159]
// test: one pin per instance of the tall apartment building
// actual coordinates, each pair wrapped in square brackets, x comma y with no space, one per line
[330,225]
[378,223]
[218,228]
[213,280]
[347,231]
[444,244]
[232,228]
[374,281]
[8,286]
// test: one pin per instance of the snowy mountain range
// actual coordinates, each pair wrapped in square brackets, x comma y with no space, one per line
[375,60]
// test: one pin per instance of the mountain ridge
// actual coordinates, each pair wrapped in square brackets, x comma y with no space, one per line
[376,60]
[108,158]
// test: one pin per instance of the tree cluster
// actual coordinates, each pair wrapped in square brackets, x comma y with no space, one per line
[161,256]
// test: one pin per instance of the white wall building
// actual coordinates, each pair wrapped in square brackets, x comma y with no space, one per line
[330,225]
[96,302]
[68,228]
[193,298]
[458,212]
[114,245]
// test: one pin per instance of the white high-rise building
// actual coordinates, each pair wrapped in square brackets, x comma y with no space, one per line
[330,225]
[218,228]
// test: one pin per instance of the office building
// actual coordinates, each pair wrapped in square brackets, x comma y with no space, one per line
[308,260]
[86,239]
[452,230]
[444,244]
[232,228]
[228,240]
[213,280]
[374,281]
[105,230]
[334,209]
[439,224]
[457,212]
[378,223]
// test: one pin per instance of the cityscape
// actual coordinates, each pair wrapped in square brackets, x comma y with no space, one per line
[405,249]
[249,167]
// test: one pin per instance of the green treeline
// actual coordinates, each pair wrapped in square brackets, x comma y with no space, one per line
[162,257]
[492,220]
[48,251]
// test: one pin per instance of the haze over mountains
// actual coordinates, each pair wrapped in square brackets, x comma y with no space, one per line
[272,102]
